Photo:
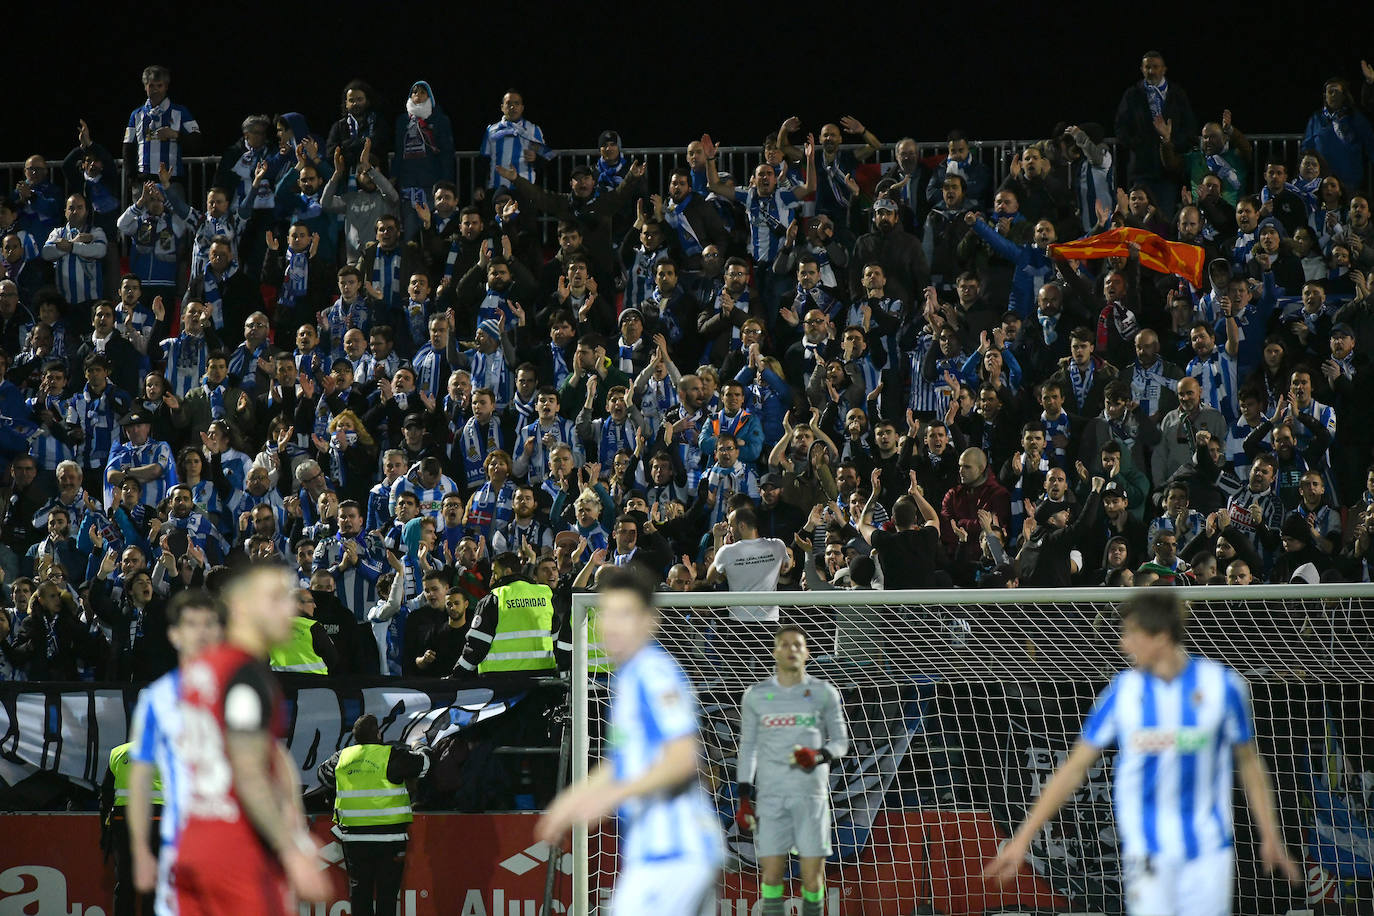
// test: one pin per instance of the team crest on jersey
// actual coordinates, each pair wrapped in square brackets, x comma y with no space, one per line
[807,693]
[1196,698]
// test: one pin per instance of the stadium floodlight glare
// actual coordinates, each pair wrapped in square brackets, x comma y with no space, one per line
[962,702]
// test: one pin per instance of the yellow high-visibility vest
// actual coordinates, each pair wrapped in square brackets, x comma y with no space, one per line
[523,640]
[121,765]
[298,654]
[364,796]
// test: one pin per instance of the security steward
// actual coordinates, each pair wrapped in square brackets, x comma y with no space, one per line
[513,627]
[373,783]
[309,650]
[114,833]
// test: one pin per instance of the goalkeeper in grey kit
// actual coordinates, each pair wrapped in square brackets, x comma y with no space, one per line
[791,729]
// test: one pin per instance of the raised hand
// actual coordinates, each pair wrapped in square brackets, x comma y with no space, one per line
[272,243]
[851,125]
[1164,127]
[708,146]
[83,136]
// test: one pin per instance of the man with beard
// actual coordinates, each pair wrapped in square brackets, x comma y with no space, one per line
[832,258]
[898,251]
[1041,193]
[695,222]
[959,160]
[1222,151]
[834,184]
[490,288]
[944,229]
[591,211]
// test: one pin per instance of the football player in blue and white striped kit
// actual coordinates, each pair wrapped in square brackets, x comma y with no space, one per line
[195,622]
[670,844]
[513,142]
[1180,723]
[76,251]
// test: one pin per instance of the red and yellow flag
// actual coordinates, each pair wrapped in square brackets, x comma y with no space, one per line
[1156,253]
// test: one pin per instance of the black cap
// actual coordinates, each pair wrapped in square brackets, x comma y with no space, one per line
[413,419]
[1296,527]
[1112,488]
[771,479]
[1342,330]
[137,415]
[1048,508]
[608,136]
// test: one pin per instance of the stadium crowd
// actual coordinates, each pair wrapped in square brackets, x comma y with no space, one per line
[824,373]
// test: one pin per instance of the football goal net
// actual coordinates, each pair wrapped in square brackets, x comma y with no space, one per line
[960,704]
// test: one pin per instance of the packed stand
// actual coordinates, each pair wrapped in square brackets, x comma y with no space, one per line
[855,367]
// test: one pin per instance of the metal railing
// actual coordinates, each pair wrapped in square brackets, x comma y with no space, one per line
[659,161]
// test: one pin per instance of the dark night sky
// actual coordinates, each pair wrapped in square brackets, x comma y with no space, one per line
[664,77]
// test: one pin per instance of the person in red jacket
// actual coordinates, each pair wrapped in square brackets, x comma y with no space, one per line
[976,490]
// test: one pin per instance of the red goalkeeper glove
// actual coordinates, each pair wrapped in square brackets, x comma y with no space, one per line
[744,816]
[807,758]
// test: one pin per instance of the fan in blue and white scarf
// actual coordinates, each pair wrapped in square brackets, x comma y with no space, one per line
[1018,497]
[214,291]
[340,317]
[660,396]
[675,216]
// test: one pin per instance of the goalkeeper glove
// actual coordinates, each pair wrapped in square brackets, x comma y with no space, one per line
[744,814]
[807,758]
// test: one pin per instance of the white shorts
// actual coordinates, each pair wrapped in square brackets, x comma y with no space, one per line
[799,823]
[165,894]
[1168,887]
[666,889]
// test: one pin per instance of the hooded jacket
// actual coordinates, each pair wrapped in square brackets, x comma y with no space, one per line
[424,146]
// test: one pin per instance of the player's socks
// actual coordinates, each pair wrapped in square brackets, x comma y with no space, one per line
[773,904]
[813,902]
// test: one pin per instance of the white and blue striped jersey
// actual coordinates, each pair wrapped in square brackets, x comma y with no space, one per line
[1323,414]
[145,121]
[1172,789]
[431,498]
[651,705]
[1219,378]
[156,724]
[78,272]
[505,142]
[769,218]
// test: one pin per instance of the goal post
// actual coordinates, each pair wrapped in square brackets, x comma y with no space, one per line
[961,702]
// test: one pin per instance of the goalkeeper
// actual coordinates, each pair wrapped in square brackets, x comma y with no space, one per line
[791,729]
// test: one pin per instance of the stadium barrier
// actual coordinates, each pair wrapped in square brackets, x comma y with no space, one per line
[960,705]
[660,160]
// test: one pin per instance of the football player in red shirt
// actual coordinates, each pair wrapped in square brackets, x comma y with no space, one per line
[245,848]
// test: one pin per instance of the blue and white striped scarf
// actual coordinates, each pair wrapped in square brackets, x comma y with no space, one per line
[560,364]
[675,215]
[490,509]
[1081,382]
[614,436]
[386,274]
[1053,428]
[214,292]
[1156,96]
[295,278]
